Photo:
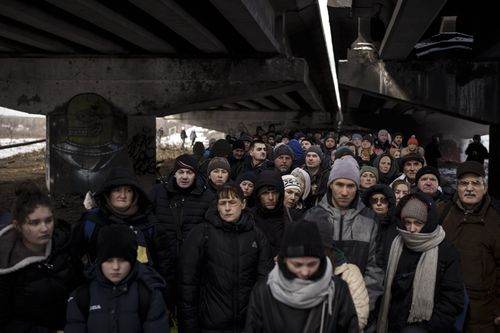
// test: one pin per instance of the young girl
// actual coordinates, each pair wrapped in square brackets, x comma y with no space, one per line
[36,271]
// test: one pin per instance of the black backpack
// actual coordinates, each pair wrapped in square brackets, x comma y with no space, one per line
[82,299]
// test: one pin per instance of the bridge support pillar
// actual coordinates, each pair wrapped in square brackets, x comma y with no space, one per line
[494,162]
[88,136]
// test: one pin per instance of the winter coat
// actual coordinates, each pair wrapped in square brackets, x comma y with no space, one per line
[220,263]
[180,210]
[449,287]
[476,236]
[115,308]
[352,276]
[152,236]
[355,235]
[475,151]
[34,289]
[320,179]
[268,315]
[386,226]
[271,222]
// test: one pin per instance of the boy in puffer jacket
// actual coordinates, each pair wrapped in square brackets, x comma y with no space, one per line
[123,296]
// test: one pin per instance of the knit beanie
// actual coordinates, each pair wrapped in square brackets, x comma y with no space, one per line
[413,140]
[290,182]
[218,162]
[343,151]
[283,149]
[344,168]
[428,170]
[239,144]
[301,239]
[116,241]
[246,137]
[186,161]
[416,209]
[301,173]
[383,131]
[368,168]
[356,136]
[343,139]
[251,176]
[470,167]
[317,150]
[369,138]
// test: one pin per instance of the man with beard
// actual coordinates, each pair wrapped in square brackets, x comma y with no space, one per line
[283,159]
[410,164]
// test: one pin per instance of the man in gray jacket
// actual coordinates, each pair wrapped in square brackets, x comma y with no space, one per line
[340,221]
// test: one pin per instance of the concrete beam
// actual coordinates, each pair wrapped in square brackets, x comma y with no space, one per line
[37,40]
[253,19]
[31,16]
[149,86]
[463,89]
[266,103]
[109,20]
[182,23]
[408,23]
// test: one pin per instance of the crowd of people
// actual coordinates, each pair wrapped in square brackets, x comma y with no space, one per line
[265,232]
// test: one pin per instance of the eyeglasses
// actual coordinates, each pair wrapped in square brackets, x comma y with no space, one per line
[375,201]
[473,183]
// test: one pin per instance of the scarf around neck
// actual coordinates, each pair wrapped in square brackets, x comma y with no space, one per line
[424,281]
[302,294]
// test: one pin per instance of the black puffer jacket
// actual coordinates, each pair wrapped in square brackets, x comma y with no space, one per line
[34,289]
[271,221]
[266,314]
[220,263]
[180,210]
[115,308]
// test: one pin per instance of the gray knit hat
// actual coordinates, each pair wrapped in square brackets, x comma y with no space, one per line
[315,149]
[416,209]
[344,168]
[283,149]
[218,162]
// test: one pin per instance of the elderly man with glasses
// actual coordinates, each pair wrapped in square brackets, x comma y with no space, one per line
[473,226]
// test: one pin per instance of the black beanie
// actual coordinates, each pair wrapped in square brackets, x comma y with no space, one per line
[239,144]
[428,170]
[116,241]
[186,161]
[302,239]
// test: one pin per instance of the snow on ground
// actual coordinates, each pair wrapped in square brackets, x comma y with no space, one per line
[8,152]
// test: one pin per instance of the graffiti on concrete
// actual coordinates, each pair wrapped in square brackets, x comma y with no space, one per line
[87,138]
[142,151]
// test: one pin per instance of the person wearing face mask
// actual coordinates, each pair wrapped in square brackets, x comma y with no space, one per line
[424,289]
[472,225]
[301,294]
[37,271]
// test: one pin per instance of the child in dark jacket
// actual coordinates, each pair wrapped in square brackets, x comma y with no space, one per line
[123,295]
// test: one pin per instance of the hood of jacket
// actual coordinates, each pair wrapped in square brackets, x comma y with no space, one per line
[15,256]
[387,192]
[119,177]
[269,178]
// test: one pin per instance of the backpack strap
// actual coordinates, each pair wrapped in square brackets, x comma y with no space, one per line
[82,299]
[144,300]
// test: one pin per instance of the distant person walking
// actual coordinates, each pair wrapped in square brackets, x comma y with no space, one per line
[476,151]
[193,137]
[183,137]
